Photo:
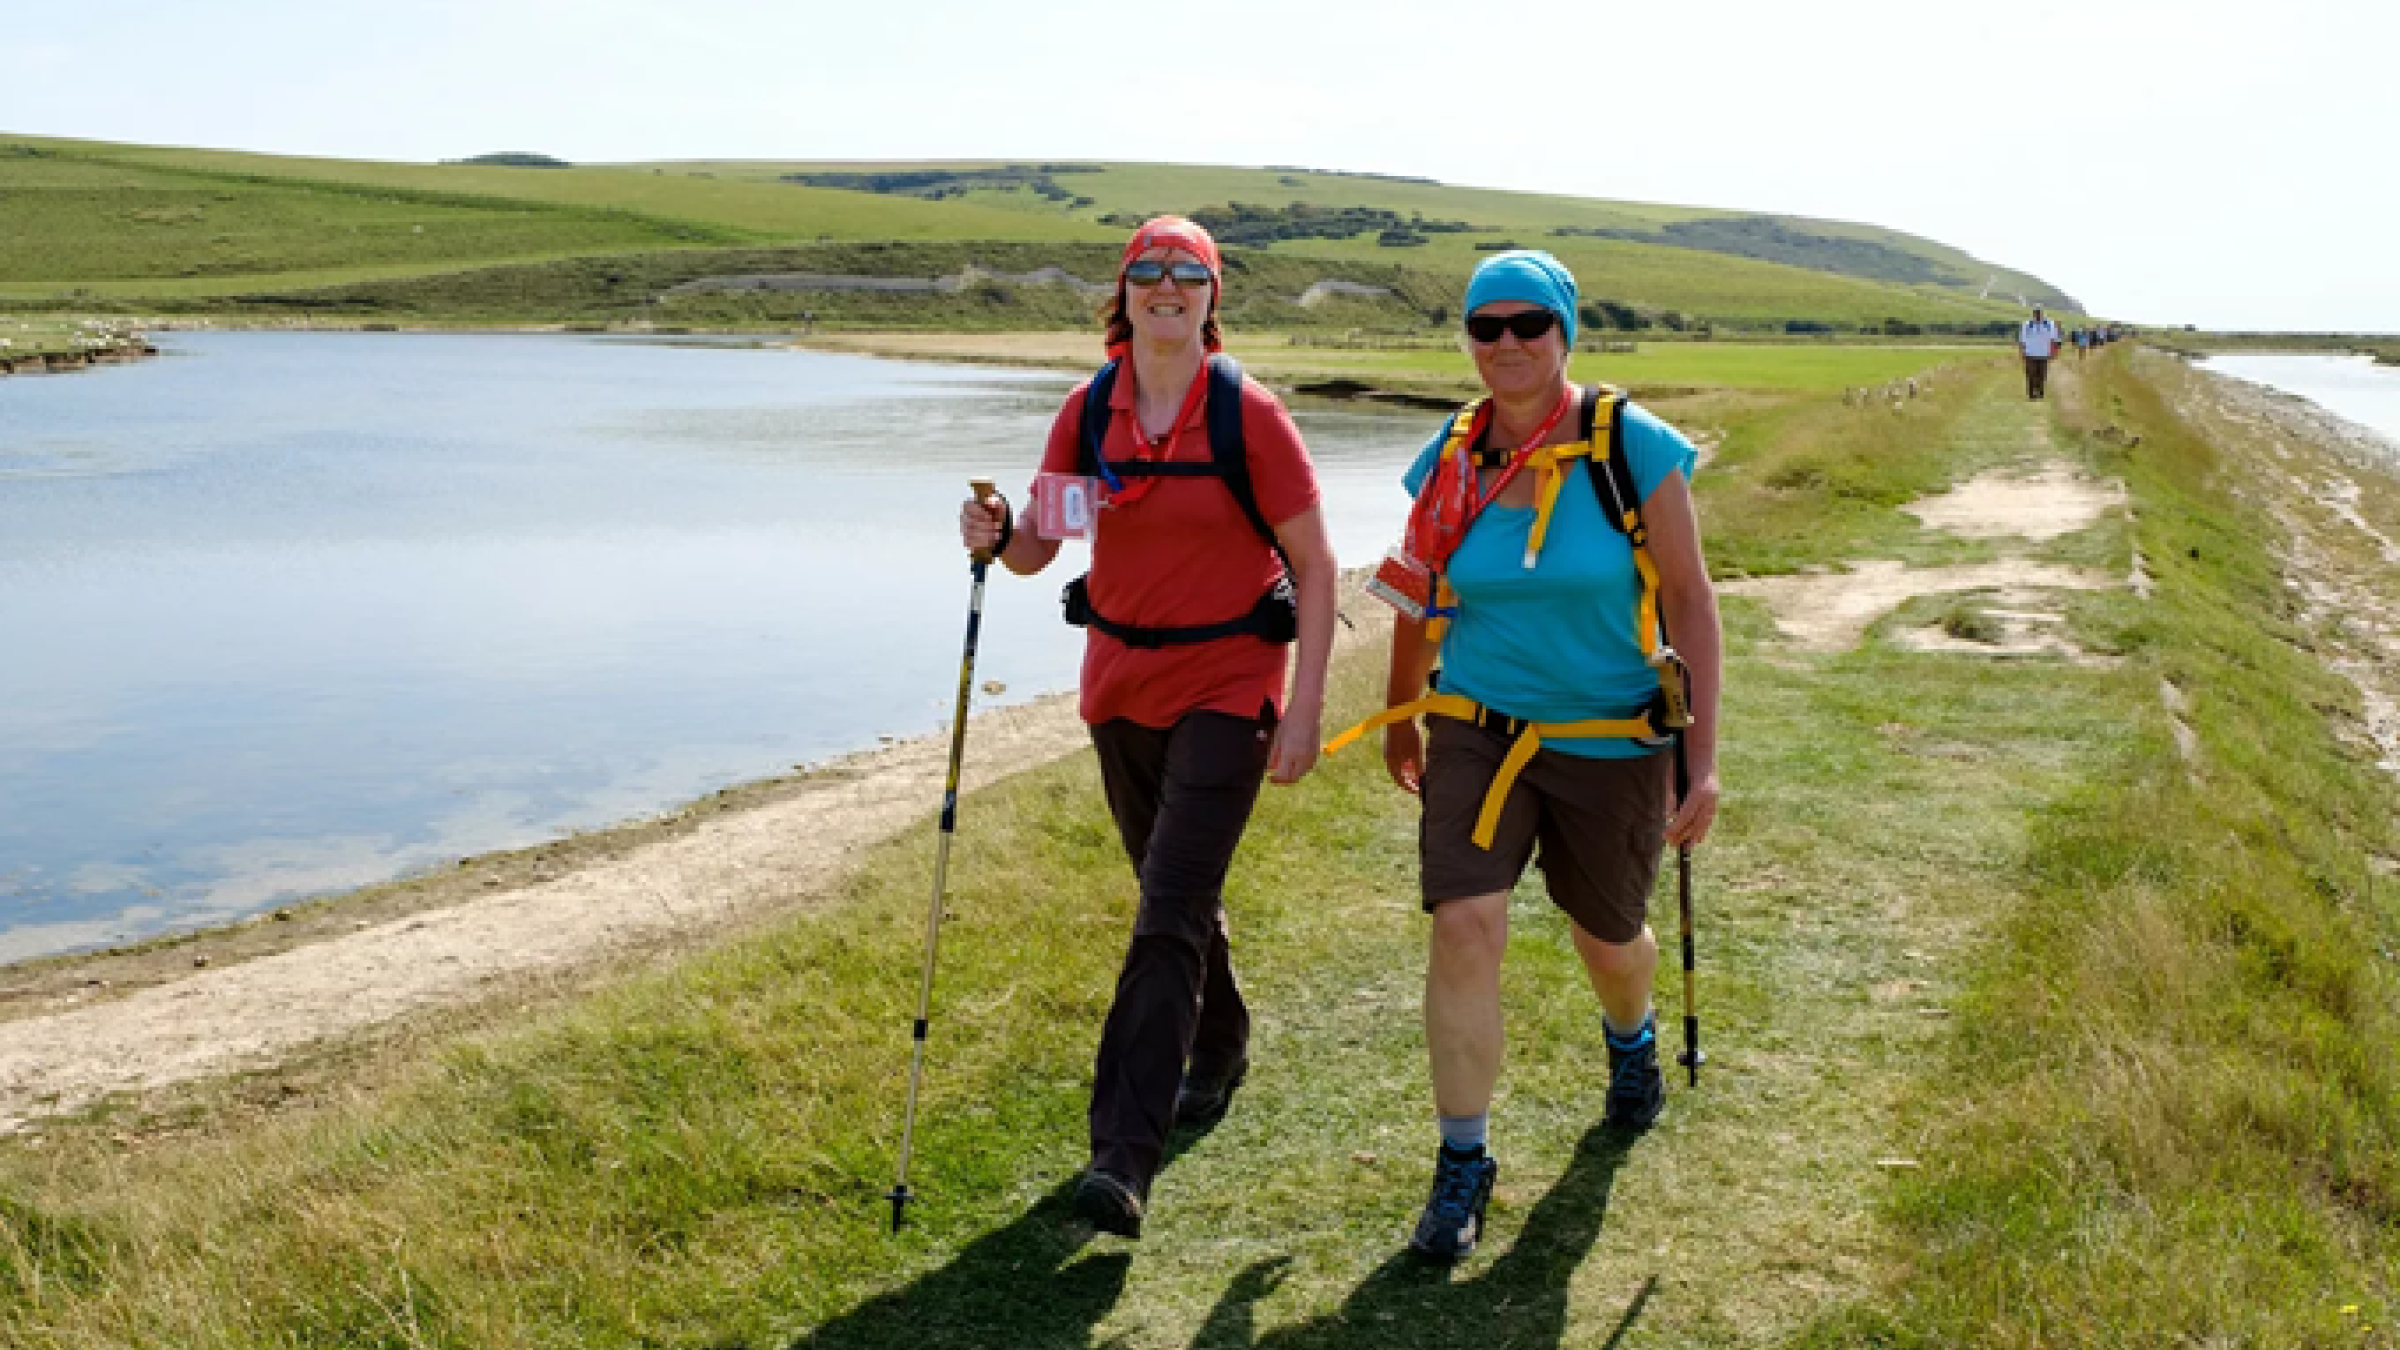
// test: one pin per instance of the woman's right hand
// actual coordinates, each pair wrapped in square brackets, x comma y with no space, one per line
[1404,754]
[979,523]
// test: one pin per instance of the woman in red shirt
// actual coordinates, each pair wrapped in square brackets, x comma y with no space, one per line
[1188,612]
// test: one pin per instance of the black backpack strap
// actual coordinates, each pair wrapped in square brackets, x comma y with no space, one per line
[1095,421]
[1231,450]
[1273,618]
[1620,499]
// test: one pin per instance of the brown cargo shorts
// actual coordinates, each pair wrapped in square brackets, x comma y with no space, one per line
[1601,824]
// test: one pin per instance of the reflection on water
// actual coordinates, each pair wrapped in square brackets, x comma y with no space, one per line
[283,614]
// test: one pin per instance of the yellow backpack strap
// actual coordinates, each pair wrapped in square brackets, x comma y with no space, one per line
[1398,713]
[1462,428]
[1550,463]
[1549,472]
[1612,479]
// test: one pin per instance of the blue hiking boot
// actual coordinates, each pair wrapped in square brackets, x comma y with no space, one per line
[1453,1217]
[1636,1091]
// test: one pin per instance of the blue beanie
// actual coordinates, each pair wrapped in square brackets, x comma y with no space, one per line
[1530,276]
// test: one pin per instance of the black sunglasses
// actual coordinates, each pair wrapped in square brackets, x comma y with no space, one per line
[1150,271]
[1526,324]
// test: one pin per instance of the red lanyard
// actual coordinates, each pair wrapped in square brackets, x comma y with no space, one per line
[1517,461]
[1449,504]
[1131,491]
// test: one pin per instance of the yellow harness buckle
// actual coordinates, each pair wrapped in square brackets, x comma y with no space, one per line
[1459,707]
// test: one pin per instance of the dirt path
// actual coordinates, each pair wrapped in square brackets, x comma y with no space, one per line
[2037,497]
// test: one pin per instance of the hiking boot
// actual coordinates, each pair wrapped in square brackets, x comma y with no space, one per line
[1636,1091]
[1453,1217]
[1109,1203]
[1202,1102]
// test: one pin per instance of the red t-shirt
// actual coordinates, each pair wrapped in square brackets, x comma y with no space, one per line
[1182,556]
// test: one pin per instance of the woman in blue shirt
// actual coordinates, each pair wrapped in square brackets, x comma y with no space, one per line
[1551,697]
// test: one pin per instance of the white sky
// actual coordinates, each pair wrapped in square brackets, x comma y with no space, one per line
[2199,161]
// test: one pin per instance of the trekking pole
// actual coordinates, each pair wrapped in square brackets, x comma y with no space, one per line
[1691,1058]
[899,1194]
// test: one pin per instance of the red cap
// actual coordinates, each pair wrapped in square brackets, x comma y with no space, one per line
[1173,232]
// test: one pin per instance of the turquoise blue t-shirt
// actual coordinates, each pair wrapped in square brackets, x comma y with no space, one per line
[1557,643]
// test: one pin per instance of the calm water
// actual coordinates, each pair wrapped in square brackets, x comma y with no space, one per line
[2349,386]
[283,614]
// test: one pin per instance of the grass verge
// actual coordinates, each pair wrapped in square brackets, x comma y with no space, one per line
[2170,1115]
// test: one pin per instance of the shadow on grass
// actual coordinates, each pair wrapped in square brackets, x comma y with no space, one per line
[1521,1300]
[1019,1286]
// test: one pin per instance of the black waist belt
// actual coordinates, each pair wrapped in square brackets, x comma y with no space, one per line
[1274,620]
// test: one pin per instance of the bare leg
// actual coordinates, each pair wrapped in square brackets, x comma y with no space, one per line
[1621,974]
[1463,1032]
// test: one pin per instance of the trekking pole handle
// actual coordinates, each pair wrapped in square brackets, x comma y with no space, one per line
[983,489]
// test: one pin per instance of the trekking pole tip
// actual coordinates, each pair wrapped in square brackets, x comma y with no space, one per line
[898,1195]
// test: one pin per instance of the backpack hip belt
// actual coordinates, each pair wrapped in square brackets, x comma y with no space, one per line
[1653,722]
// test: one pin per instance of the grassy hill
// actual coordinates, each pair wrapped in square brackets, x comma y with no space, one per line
[1648,254]
[87,225]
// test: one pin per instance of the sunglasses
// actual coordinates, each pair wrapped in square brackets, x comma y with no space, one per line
[1526,324]
[1149,272]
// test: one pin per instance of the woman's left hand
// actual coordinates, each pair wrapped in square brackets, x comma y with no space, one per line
[1297,741]
[1690,818]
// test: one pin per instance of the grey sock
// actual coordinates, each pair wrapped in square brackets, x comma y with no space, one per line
[1466,1134]
[1626,1036]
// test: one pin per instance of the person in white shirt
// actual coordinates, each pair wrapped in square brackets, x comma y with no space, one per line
[2037,338]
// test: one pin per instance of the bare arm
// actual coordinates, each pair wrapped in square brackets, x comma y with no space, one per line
[1411,668]
[1688,603]
[1313,571]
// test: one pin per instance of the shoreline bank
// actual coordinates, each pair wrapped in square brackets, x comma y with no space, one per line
[71,362]
[78,1028]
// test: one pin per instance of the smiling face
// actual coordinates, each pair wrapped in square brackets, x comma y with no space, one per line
[1168,313]
[1512,367]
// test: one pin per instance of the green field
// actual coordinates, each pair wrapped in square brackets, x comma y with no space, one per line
[21,338]
[1652,365]
[91,224]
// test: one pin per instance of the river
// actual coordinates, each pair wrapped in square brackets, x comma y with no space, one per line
[2352,387]
[284,614]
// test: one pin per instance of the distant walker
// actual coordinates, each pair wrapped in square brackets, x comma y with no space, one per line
[2037,338]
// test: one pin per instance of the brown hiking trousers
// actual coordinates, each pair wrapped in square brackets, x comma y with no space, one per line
[1181,797]
[2037,371]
